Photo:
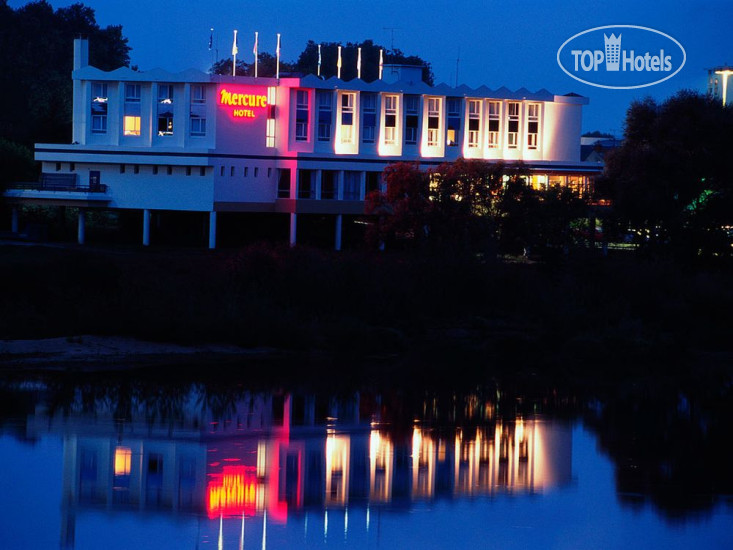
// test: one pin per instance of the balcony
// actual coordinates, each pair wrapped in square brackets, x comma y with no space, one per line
[58,187]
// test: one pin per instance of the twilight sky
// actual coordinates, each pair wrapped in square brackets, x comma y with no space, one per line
[500,43]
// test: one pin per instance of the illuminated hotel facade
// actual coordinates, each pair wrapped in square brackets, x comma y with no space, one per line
[222,145]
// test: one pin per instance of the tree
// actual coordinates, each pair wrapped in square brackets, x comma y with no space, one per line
[670,174]
[266,66]
[402,211]
[36,60]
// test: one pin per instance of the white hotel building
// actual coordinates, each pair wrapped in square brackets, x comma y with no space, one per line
[191,141]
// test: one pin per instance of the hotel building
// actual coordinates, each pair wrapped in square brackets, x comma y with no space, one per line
[222,145]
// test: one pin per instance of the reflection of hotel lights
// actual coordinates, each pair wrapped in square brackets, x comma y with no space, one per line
[123,456]
[233,492]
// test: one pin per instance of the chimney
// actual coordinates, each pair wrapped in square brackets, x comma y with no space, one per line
[81,53]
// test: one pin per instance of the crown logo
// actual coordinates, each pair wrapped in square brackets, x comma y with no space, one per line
[613,51]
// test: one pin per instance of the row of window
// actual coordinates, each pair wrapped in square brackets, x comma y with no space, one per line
[306,188]
[168,170]
[245,172]
[164,112]
[324,112]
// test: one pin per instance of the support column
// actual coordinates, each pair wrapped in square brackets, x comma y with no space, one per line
[293,228]
[81,226]
[146,227]
[339,222]
[14,221]
[212,230]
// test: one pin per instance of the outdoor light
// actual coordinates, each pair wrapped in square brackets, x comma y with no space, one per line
[725,73]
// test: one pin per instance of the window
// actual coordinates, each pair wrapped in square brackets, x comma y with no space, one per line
[512,125]
[474,122]
[165,110]
[411,119]
[306,189]
[122,168]
[58,167]
[136,169]
[231,171]
[494,121]
[372,182]
[72,166]
[246,171]
[131,119]
[369,117]
[283,184]
[269,171]
[221,170]
[533,123]
[202,171]
[131,125]
[347,117]
[155,170]
[329,187]
[453,107]
[198,93]
[433,121]
[169,170]
[271,105]
[257,171]
[99,107]
[301,115]
[198,111]
[324,116]
[198,126]
[390,119]
[352,185]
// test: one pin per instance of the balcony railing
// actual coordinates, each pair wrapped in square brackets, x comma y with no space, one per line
[58,182]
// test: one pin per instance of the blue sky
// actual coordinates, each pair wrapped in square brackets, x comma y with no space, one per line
[512,44]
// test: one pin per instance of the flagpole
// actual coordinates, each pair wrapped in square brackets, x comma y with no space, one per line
[235,50]
[358,64]
[255,52]
[338,65]
[277,74]
[319,60]
[381,63]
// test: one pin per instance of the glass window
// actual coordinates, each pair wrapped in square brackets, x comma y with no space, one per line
[474,122]
[512,125]
[390,119]
[533,125]
[433,121]
[324,115]
[99,107]
[369,117]
[494,123]
[347,117]
[165,110]
[301,115]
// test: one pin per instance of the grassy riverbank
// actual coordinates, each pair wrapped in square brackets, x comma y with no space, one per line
[583,311]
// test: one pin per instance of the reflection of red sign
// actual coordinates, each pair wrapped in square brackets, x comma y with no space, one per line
[242,101]
[232,492]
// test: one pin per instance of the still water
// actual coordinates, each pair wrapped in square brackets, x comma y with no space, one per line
[114,464]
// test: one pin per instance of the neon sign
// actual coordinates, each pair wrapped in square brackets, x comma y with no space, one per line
[242,102]
[232,492]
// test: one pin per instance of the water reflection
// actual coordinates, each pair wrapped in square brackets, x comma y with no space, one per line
[274,455]
[236,460]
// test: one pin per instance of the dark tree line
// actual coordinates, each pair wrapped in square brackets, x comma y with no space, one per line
[36,42]
[307,62]
[670,182]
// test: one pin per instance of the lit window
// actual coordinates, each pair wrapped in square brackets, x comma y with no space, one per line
[390,119]
[324,116]
[533,125]
[347,118]
[474,122]
[512,125]
[270,127]
[433,121]
[301,115]
[123,456]
[131,126]
[494,123]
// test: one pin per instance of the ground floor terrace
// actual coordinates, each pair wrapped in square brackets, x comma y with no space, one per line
[312,206]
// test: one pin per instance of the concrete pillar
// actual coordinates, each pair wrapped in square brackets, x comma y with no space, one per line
[81,227]
[293,228]
[339,222]
[14,221]
[146,227]
[212,230]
